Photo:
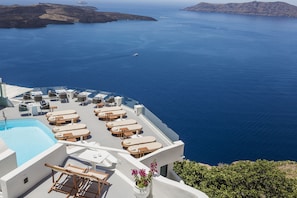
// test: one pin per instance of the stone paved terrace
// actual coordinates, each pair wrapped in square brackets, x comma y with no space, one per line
[99,132]
[120,187]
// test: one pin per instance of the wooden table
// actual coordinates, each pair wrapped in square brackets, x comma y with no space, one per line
[94,156]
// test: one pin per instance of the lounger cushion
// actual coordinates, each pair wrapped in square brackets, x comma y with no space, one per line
[67,117]
[69,127]
[73,134]
[118,112]
[138,140]
[120,123]
[104,109]
[132,127]
[134,150]
[57,113]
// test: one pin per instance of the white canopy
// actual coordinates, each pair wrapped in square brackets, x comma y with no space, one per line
[13,91]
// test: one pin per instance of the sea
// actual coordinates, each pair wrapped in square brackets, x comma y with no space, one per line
[227,84]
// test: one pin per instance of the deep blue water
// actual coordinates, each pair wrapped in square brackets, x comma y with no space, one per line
[225,83]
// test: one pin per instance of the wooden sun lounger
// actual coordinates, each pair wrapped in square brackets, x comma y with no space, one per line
[72,135]
[63,119]
[69,127]
[120,130]
[142,149]
[62,183]
[139,140]
[105,109]
[59,113]
[82,179]
[120,123]
[90,177]
[112,115]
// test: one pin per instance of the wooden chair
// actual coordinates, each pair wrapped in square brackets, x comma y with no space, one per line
[63,183]
[93,183]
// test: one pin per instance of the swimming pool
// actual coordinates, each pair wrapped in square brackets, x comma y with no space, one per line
[27,137]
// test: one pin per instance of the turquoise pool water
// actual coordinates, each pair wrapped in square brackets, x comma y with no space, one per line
[27,137]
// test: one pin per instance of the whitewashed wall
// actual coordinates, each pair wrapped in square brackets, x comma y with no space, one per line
[13,184]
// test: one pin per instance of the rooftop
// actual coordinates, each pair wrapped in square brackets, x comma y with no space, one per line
[65,152]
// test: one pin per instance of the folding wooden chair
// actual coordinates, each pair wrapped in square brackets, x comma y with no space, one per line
[66,182]
[94,183]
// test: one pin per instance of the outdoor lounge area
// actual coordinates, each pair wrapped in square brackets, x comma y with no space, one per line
[87,143]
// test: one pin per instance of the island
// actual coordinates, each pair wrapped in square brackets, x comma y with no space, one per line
[42,14]
[277,9]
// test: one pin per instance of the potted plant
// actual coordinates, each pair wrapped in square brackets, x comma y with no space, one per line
[143,180]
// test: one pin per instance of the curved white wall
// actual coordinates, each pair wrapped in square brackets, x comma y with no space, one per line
[163,187]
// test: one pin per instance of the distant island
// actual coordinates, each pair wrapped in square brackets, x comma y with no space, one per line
[279,9]
[42,14]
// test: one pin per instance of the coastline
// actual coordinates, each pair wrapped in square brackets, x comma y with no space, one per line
[43,14]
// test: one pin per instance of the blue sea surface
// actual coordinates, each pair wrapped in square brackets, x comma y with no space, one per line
[225,83]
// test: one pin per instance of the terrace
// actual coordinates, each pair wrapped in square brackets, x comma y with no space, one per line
[30,184]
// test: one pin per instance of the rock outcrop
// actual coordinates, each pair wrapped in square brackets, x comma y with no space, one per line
[42,14]
[279,9]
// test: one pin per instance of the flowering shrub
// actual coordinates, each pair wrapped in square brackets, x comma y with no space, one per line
[142,179]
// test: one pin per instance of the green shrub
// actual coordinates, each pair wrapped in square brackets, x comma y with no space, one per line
[259,179]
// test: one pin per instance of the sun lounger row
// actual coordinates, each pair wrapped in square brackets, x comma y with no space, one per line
[77,181]
[137,146]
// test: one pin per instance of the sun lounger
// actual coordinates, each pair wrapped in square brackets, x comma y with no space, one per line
[69,127]
[105,109]
[58,113]
[112,115]
[141,149]
[126,129]
[89,178]
[139,140]
[120,123]
[72,135]
[63,119]
[66,182]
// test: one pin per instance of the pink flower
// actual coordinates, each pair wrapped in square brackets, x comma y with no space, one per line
[142,173]
[142,179]
[134,172]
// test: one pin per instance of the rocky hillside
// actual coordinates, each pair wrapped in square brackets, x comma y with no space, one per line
[279,9]
[40,15]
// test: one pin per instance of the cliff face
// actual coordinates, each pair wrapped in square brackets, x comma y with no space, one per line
[280,9]
[41,15]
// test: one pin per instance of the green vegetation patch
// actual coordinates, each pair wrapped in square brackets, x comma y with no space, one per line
[259,179]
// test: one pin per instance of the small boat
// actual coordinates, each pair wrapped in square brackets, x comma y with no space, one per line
[135,54]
